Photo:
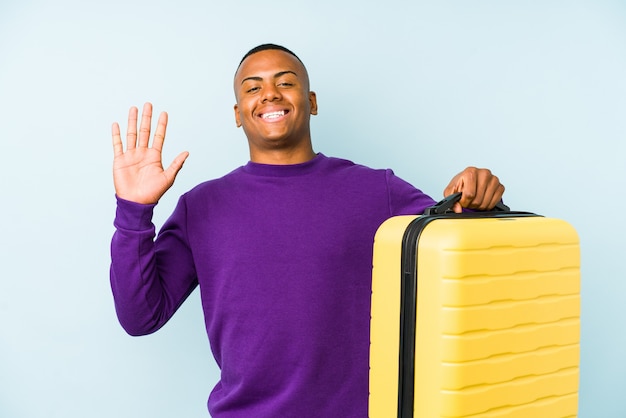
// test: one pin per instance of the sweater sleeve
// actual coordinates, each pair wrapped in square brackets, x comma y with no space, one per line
[405,199]
[150,278]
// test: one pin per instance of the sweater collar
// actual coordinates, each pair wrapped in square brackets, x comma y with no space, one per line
[288,170]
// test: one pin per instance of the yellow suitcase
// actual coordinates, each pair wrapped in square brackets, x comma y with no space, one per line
[475,315]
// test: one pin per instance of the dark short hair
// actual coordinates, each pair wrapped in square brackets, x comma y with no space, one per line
[265,47]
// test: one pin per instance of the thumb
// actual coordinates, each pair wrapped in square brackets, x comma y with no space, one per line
[176,165]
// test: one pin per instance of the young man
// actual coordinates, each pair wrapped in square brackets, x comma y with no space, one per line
[281,249]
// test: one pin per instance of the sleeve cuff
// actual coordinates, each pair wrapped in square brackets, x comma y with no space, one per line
[133,216]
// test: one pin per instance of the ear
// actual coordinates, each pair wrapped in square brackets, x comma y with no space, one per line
[237,119]
[313,102]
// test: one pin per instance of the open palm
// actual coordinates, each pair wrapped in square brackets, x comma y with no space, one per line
[138,173]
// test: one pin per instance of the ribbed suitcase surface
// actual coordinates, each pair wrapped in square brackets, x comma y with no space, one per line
[475,316]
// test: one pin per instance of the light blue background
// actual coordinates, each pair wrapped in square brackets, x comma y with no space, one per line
[534,90]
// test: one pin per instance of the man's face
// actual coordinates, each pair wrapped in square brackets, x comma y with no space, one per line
[274,103]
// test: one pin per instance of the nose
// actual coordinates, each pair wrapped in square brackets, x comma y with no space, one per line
[271,93]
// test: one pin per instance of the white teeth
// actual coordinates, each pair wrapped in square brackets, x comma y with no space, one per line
[273,115]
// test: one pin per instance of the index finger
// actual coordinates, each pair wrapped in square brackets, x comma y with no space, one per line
[159,133]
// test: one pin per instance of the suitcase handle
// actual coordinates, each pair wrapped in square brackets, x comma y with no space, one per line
[445,205]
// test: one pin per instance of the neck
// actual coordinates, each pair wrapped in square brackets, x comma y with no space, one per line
[282,156]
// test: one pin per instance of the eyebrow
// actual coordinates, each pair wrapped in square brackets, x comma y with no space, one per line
[277,75]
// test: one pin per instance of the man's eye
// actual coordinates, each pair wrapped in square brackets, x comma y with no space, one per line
[285,84]
[252,89]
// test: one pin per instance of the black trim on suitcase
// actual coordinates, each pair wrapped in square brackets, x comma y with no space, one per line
[408,295]
[408,312]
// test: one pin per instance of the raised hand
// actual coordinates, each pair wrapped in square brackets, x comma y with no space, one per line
[138,173]
[481,189]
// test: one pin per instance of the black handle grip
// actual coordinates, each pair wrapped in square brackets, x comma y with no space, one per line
[445,205]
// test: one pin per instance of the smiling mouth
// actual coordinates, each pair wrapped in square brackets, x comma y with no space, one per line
[274,115]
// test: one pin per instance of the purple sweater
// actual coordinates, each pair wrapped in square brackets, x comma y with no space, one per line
[283,258]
